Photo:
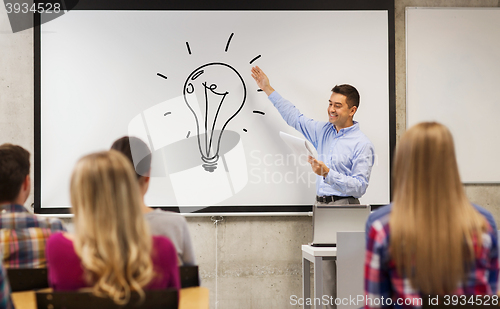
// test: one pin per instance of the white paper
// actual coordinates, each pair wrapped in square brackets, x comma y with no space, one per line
[298,145]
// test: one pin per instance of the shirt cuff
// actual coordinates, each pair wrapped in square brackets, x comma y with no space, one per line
[332,177]
[274,97]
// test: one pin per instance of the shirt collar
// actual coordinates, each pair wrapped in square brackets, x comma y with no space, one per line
[12,208]
[352,128]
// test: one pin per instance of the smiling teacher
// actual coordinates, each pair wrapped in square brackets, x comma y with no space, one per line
[345,154]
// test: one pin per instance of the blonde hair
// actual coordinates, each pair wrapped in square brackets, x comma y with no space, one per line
[431,216]
[111,237]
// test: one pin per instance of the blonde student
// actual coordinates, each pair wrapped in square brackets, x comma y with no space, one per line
[431,240]
[112,250]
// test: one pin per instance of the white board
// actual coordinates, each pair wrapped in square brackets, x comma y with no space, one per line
[100,82]
[453,76]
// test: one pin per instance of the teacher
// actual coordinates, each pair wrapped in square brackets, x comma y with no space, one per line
[345,154]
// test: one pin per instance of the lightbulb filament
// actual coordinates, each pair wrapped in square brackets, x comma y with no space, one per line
[212,87]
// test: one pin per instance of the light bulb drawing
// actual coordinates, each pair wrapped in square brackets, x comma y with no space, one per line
[215,93]
[221,93]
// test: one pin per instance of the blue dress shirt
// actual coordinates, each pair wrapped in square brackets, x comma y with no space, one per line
[348,153]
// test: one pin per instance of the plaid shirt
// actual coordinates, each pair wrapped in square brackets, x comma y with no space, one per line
[23,236]
[382,280]
[5,298]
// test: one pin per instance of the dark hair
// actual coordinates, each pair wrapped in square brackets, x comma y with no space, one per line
[14,167]
[351,94]
[136,151]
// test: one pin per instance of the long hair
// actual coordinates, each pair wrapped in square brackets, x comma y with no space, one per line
[433,225]
[111,237]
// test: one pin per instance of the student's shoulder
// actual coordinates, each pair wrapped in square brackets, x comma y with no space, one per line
[160,212]
[487,215]
[381,214]
[168,216]
[55,223]
[381,211]
[61,236]
[162,242]
[163,246]
[61,254]
[35,220]
[24,219]
[58,241]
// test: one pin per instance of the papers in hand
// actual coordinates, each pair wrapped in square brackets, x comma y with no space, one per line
[298,145]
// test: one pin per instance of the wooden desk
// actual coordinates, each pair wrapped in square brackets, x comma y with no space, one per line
[190,298]
[24,299]
[194,298]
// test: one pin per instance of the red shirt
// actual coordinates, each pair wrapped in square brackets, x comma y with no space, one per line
[65,271]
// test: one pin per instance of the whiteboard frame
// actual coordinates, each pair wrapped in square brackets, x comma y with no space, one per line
[348,5]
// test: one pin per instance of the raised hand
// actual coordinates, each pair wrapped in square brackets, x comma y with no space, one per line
[262,81]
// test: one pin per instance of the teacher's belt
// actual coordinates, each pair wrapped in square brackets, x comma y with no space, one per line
[330,198]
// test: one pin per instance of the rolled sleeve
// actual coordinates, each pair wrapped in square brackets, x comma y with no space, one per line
[310,128]
[355,184]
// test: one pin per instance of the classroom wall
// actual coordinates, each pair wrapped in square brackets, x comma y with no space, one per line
[16,88]
[488,195]
[258,259]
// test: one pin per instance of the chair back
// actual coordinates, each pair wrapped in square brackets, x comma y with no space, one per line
[155,299]
[25,279]
[189,276]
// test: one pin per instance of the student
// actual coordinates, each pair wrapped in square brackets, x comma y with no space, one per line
[5,296]
[431,240]
[112,250]
[347,154]
[165,223]
[22,234]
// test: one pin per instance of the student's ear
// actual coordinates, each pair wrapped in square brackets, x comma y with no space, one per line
[144,184]
[25,188]
[27,183]
[146,177]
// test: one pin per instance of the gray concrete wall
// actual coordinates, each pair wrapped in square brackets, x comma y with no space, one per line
[258,259]
[16,87]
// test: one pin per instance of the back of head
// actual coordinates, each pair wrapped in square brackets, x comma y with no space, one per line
[425,161]
[136,151]
[351,94]
[14,167]
[112,238]
[431,213]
